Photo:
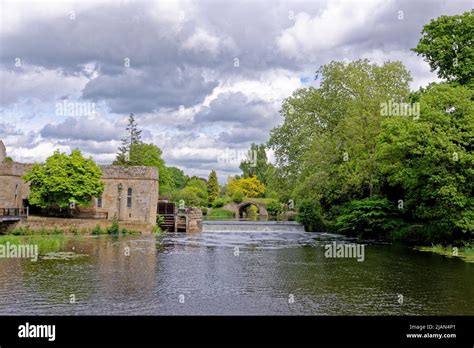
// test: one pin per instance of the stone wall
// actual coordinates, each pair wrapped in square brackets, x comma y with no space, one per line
[83,226]
[195,220]
[143,182]
[13,190]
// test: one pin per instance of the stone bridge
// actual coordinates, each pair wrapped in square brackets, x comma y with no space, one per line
[239,208]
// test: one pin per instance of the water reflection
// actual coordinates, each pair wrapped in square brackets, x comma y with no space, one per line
[234,273]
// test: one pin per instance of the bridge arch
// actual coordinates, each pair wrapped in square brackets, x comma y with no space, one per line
[262,210]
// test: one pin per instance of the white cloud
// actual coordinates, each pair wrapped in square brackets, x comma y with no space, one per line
[30,82]
[328,29]
[201,40]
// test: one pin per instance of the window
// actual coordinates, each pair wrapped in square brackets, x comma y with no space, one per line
[99,202]
[129,198]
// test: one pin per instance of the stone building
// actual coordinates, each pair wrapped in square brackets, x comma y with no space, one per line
[130,193]
[13,190]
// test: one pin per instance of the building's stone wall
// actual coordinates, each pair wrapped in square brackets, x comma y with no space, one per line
[143,182]
[3,152]
[13,190]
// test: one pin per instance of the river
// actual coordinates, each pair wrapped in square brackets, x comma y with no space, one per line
[239,273]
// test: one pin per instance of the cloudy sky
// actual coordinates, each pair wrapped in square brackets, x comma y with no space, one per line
[204,78]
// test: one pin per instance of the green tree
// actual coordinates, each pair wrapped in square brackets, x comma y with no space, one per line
[326,147]
[427,163]
[64,179]
[212,187]
[447,45]
[256,163]
[177,178]
[133,137]
[372,217]
[149,155]
[193,194]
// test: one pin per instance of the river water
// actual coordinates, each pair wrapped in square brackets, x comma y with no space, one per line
[251,273]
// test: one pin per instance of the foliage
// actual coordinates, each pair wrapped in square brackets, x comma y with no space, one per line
[372,217]
[134,152]
[256,163]
[326,146]
[309,214]
[248,187]
[212,187]
[98,230]
[275,208]
[63,179]
[465,253]
[429,162]
[49,243]
[114,229]
[133,137]
[238,197]
[149,155]
[220,213]
[251,212]
[160,219]
[177,179]
[220,202]
[192,196]
[446,44]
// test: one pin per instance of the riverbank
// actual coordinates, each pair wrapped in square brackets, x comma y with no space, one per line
[49,225]
[465,253]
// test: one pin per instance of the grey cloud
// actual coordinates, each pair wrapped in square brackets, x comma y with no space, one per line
[236,108]
[146,91]
[244,135]
[8,129]
[82,129]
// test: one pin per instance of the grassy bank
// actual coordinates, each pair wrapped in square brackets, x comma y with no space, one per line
[219,213]
[465,253]
[97,230]
[45,243]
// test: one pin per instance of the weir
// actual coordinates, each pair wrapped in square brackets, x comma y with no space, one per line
[252,226]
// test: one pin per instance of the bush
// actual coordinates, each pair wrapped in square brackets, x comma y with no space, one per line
[97,230]
[114,229]
[274,208]
[309,214]
[238,197]
[373,217]
[220,213]
[204,210]
[219,202]
[160,219]
[191,196]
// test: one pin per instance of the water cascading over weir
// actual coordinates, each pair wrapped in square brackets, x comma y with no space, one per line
[251,226]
